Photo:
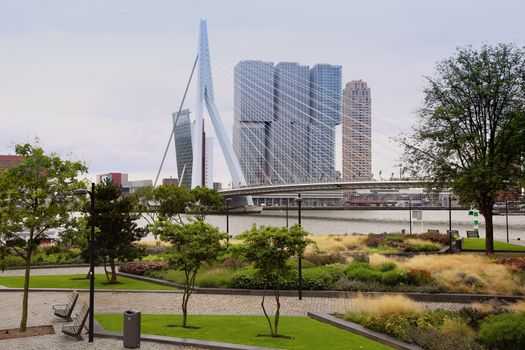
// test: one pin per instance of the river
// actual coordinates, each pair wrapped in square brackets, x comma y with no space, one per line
[372,221]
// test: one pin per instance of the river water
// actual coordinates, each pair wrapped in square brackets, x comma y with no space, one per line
[372,221]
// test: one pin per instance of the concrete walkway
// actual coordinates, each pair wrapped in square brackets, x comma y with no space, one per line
[40,304]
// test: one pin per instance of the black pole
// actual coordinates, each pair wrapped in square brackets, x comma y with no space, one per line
[410,213]
[287,226]
[449,224]
[507,218]
[228,218]
[92,265]
[300,289]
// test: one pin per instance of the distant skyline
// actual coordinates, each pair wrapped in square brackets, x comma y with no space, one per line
[101,79]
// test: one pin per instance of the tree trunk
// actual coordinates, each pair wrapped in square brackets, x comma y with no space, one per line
[266,314]
[486,208]
[113,271]
[106,271]
[23,321]
[489,231]
[277,312]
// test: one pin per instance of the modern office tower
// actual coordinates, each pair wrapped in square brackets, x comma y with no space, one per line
[208,162]
[325,104]
[357,132]
[253,114]
[289,131]
[285,118]
[183,147]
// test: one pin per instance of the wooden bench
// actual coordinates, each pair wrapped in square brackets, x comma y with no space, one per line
[76,328]
[432,231]
[472,234]
[65,310]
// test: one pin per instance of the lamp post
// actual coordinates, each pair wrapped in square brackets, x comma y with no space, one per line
[83,192]
[228,200]
[300,288]
[410,212]
[507,218]
[449,224]
[287,199]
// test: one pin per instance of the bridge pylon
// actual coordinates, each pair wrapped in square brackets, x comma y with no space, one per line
[206,99]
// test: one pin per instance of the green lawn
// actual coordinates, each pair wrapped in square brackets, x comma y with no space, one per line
[78,282]
[479,244]
[307,333]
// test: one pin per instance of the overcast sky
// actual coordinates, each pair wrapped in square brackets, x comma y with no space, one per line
[98,80]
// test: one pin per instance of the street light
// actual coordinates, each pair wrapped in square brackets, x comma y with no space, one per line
[449,224]
[287,200]
[300,289]
[507,218]
[228,200]
[83,192]
[410,212]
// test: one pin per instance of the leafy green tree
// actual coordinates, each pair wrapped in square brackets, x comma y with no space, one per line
[35,196]
[117,227]
[171,201]
[205,200]
[192,245]
[470,134]
[269,248]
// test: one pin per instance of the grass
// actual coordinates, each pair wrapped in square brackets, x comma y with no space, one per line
[78,282]
[306,333]
[468,273]
[386,305]
[478,244]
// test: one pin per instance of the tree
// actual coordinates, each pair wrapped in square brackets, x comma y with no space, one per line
[171,201]
[117,227]
[192,245]
[35,196]
[205,201]
[470,134]
[269,248]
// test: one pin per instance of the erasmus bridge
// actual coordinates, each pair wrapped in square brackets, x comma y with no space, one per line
[292,169]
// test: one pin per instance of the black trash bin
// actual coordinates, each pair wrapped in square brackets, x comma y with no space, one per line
[131,329]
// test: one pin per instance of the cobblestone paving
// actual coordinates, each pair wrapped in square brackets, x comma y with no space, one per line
[40,304]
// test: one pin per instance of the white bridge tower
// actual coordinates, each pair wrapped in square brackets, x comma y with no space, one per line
[205,97]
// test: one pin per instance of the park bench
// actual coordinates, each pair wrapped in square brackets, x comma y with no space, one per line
[432,231]
[65,310]
[472,234]
[76,328]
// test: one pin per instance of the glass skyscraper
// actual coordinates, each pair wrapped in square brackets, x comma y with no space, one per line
[284,121]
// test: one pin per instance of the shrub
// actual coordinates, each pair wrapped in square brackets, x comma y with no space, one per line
[12,260]
[142,267]
[361,257]
[325,259]
[420,277]
[363,274]
[421,248]
[374,240]
[441,238]
[504,332]
[317,279]
[515,262]
[387,266]
[394,277]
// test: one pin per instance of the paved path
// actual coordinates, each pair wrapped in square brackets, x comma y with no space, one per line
[40,304]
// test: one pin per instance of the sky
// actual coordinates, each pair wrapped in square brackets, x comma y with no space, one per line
[98,80]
